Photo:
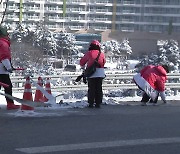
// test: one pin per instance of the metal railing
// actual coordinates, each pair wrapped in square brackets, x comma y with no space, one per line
[113,81]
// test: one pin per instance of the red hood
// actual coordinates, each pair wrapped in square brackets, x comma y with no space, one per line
[161,70]
[5,52]
[5,39]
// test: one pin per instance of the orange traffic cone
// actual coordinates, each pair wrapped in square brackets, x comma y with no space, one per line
[47,88]
[39,95]
[27,95]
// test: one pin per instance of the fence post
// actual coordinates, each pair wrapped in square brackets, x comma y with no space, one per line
[175,92]
[134,92]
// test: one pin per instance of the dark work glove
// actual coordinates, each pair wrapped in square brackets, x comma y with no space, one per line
[79,78]
[84,79]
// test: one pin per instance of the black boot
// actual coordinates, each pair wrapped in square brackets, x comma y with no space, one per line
[90,106]
[97,105]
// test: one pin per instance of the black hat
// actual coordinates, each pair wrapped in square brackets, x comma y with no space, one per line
[3,31]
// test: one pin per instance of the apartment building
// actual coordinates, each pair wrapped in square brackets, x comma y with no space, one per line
[100,15]
[148,15]
[123,17]
[72,14]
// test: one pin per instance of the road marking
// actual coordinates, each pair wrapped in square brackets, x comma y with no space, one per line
[94,145]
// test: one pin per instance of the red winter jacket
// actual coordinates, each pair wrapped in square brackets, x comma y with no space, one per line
[5,52]
[156,76]
[90,56]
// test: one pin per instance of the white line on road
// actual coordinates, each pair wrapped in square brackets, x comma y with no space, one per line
[93,145]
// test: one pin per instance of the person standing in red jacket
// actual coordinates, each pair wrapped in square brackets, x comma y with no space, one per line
[95,93]
[5,66]
[151,80]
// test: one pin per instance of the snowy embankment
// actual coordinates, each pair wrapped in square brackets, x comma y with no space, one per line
[79,100]
[72,100]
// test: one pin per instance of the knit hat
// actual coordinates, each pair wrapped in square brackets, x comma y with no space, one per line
[96,42]
[3,31]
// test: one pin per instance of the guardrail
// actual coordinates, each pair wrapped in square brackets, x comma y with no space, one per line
[113,81]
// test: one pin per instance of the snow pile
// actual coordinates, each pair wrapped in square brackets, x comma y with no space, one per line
[62,105]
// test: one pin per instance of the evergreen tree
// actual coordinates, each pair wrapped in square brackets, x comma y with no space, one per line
[108,48]
[65,45]
[169,53]
[125,48]
[44,40]
[115,48]
[24,54]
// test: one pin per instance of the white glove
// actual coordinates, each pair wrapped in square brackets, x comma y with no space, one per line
[82,67]
[163,96]
[10,70]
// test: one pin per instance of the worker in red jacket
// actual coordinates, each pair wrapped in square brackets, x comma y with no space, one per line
[5,66]
[95,93]
[151,80]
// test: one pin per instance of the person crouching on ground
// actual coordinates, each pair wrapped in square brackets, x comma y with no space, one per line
[151,80]
[5,66]
[95,93]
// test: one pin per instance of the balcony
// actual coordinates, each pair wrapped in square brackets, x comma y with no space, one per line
[76,27]
[127,21]
[161,15]
[161,6]
[77,19]
[12,18]
[29,1]
[52,10]
[100,20]
[78,2]
[31,9]
[54,1]
[98,28]
[75,9]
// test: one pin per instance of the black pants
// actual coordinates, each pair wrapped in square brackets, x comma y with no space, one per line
[146,98]
[4,78]
[95,93]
